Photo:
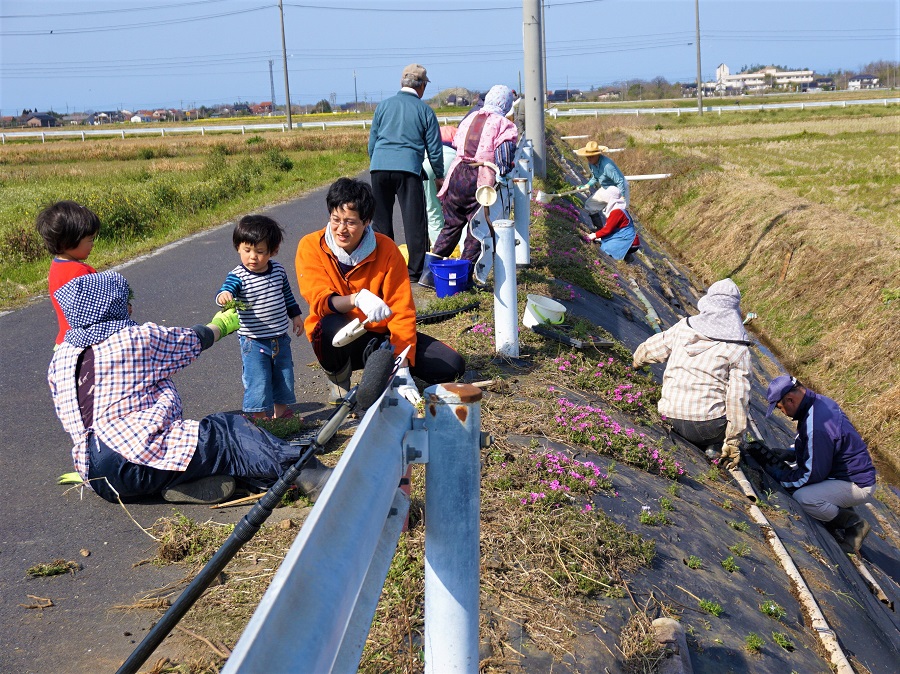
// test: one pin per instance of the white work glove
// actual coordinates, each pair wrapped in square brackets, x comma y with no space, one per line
[372,306]
[407,387]
[592,236]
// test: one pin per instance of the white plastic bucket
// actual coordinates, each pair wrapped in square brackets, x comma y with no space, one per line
[541,310]
[486,195]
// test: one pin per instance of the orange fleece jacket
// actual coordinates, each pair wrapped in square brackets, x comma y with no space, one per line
[382,273]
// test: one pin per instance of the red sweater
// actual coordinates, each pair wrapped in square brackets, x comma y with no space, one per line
[61,272]
[616,221]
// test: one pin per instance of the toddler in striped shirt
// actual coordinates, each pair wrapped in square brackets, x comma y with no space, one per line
[268,312]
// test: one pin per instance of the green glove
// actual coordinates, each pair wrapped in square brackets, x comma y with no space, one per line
[69,478]
[227,321]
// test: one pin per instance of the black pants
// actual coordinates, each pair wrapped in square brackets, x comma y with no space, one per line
[228,444]
[407,188]
[436,363]
[705,434]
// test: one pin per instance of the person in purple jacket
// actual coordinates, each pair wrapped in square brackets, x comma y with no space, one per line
[832,470]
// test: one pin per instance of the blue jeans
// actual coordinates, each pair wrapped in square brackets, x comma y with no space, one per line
[268,374]
[227,444]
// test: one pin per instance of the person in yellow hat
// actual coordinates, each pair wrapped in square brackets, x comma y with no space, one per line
[604,173]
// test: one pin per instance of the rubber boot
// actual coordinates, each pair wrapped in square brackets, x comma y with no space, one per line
[848,529]
[313,478]
[340,384]
[427,277]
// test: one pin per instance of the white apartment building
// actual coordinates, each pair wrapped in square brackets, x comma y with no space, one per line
[768,77]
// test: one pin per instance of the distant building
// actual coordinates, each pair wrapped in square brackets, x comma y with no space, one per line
[565,95]
[769,77]
[862,82]
[39,119]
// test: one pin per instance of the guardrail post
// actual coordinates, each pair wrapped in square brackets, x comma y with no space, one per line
[202,131]
[522,218]
[243,130]
[162,132]
[452,530]
[44,139]
[123,134]
[506,308]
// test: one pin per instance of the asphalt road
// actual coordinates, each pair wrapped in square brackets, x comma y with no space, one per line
[42,522]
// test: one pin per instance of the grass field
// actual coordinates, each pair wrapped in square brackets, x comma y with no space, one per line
[802,209]
[150,191]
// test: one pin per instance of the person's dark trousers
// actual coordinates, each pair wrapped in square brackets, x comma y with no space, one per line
[409,191]
[705,434]
[436,363]
[460,206]
[227,444]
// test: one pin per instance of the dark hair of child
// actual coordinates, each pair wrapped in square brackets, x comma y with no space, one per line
[353,194]
[254,229]
[64,224]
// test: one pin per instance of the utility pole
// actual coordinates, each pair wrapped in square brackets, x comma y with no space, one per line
[272,85]
[532,32]
[287,88]
[355,96]
[699,78]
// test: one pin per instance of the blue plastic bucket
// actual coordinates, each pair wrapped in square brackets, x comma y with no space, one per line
[450,276]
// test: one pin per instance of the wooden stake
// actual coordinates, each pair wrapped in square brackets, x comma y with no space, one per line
[240,501]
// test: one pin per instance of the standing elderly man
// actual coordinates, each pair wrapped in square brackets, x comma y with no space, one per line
[404,131]
[833,470]
[706,385]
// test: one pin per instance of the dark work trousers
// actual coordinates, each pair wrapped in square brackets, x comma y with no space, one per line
[228,444]
[409,191]
[459,206]
[436,363]
[705,434]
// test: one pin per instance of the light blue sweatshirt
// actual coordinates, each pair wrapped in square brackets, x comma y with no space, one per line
[403,129]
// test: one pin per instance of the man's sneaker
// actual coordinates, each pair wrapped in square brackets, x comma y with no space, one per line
[207,490]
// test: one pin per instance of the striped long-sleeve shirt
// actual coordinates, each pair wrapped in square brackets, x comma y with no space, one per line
[266,301]
[704,379]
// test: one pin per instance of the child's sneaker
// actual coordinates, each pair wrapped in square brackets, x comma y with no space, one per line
[206,490]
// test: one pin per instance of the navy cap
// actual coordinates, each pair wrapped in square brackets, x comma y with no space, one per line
[778,389]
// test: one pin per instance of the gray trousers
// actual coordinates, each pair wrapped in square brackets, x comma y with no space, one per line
[822,500]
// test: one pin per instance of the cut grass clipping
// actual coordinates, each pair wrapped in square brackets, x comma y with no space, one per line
[54,568]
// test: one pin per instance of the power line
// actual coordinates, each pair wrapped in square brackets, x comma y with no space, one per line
[127,26]
[121,10]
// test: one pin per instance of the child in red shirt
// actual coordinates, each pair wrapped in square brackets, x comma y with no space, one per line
[68,230]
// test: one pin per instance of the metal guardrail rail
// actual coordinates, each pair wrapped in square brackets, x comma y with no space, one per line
[124,132]
[317,612]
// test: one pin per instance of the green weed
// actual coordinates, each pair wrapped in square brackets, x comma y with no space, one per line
[730,565]
[711,607]
[753,642]
[694,562]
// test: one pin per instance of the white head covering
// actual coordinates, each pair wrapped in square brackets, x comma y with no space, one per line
[614,200]
[720,312]
[498,99]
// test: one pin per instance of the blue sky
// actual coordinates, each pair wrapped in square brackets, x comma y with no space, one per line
[107,54]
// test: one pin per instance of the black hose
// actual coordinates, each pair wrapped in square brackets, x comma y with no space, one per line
[376,377]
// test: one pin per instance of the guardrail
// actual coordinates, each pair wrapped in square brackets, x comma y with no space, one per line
[316,614]
[123,132]
[596,112]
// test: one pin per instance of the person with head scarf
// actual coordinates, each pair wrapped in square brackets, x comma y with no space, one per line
[484,136]
[432,204]
[618,236]
[112,389]
[706,384]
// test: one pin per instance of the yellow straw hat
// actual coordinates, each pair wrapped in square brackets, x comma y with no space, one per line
[591,149]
